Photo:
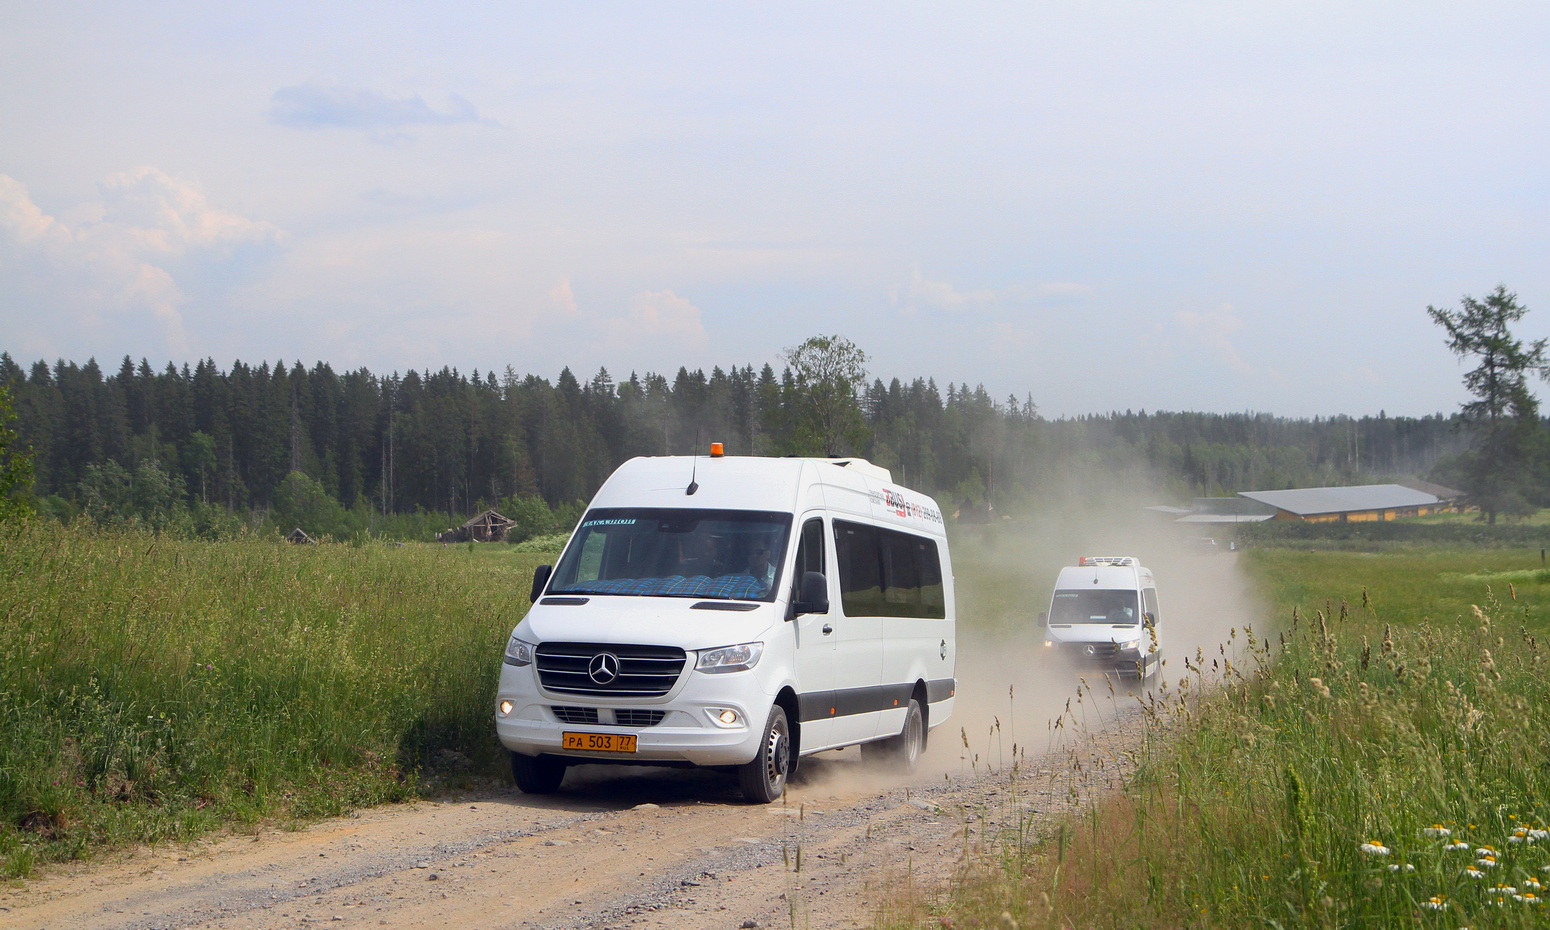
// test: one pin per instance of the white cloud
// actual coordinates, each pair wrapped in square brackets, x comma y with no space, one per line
[1213,332]
[923,294]
[660,315]
[152,240]
[563,297]
[322,104]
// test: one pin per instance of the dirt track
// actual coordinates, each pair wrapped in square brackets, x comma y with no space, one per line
[634,848]
[643,847]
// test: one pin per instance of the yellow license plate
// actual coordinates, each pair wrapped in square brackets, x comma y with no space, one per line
[599,742]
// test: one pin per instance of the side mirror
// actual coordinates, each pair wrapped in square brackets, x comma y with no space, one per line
[540,580]
[1150,618]
[1043,618]
[814,595]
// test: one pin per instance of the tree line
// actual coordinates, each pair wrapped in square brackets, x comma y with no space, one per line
[205,449]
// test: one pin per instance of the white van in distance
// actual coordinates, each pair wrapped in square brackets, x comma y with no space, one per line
[1103,616]
[735,612]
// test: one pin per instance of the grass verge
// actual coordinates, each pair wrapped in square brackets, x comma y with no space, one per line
[154,689]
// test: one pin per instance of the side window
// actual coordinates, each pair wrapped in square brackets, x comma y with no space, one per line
[1149,598]
[861,580]
[809,554]
[887,573]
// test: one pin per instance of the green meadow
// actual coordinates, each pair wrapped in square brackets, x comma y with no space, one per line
[152,689]
[1375,755]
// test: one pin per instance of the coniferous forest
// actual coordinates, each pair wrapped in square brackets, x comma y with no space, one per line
[209,450]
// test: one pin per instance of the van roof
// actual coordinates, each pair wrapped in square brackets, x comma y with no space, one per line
[1130,575]
[788,485]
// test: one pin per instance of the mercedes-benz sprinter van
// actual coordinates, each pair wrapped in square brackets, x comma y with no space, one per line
[1104,616]
[735,612]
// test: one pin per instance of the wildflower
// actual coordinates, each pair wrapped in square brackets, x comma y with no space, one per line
[1375,848]
[1436,830]
[1538,835]
[1528,897]
[1474,873]
[1500,888]
[1485,851]
[1459,845]
[1532,883]
[1436,902]
[1519,835]
[1401,867]
[1486,862]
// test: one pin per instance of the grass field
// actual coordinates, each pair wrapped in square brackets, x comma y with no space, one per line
[1377,758]
[153,688]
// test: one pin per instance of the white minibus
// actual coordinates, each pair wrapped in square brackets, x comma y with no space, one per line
[736,612]
[1103,616]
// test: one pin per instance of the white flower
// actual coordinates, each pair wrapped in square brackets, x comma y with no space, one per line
[1486,862]
[1538,835]
[1401,867]
[1529,898]
[1436,830]
[1459,845]
[1375,848]
[1474,873]
[1435,903]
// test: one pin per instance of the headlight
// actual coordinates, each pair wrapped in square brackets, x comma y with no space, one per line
[1130,645]
[730,658]
[518,653]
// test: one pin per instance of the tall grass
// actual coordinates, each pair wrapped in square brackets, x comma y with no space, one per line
[154,688]
[1377,758]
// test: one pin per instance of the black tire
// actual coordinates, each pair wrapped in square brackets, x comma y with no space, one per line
[763,778]
[537,774]
[902,752]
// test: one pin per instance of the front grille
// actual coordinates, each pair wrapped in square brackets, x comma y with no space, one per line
[644,671]
[1100,650]
[622,716]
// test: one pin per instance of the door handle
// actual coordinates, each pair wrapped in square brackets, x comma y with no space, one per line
[827,629]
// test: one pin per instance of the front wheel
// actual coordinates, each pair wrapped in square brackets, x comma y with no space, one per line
[902,752]
[763,778]
[537,774]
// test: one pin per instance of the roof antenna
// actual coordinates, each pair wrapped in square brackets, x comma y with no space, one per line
[694,468]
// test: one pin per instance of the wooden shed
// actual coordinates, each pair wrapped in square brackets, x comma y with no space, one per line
[486,527]
[298,537]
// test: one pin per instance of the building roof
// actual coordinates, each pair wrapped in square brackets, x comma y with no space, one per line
[1426,487]
[1225,518]
[1305,501]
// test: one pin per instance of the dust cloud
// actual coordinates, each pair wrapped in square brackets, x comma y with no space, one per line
[1010,693]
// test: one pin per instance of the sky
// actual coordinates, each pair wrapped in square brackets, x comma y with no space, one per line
[1095,206]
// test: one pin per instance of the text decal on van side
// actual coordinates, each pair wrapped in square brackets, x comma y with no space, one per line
[895,501]
[617,521]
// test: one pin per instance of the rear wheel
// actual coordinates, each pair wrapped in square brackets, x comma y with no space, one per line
[537,774]
[764,778]
[902,752]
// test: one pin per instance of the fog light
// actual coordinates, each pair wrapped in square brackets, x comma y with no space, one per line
[505,708]
[1049,644]
[725,717]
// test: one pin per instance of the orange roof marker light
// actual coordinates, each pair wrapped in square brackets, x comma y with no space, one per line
[716,450]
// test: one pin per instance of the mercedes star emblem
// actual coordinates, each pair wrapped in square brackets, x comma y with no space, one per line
[603,668]
[1090,649]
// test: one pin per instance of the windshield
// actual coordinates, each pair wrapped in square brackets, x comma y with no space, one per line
[1097,606]
[729,554]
